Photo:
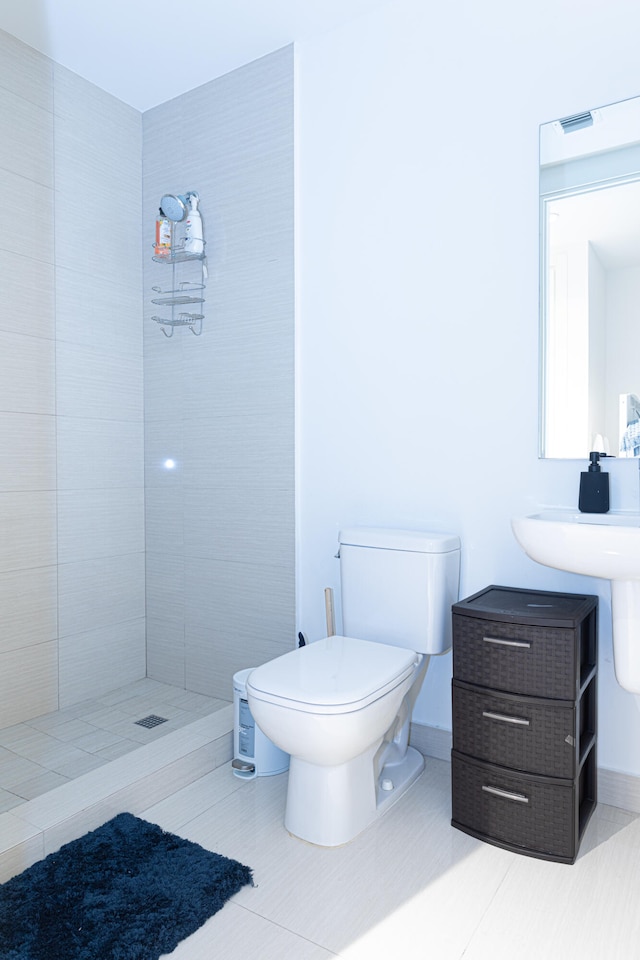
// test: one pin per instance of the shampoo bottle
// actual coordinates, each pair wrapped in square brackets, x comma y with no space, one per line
[163,235]
[594,487]
[193,242]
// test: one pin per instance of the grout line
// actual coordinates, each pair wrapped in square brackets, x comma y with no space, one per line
[486,910]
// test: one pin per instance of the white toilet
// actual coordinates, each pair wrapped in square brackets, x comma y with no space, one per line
[341,706]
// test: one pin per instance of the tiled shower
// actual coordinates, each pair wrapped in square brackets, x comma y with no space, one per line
[111,566]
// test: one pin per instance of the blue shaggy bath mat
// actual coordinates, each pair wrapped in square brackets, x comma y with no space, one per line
[126,891]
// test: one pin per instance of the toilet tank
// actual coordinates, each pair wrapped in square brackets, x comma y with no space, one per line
[398,586]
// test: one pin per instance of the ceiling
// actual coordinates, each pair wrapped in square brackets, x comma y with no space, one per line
[147,51]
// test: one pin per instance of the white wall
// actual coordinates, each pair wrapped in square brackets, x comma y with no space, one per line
[418,291]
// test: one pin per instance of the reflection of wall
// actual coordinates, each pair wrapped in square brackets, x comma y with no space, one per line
[623,335]
[576,352]
[597,312]
[567,430]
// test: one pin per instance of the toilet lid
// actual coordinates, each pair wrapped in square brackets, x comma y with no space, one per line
[336,674]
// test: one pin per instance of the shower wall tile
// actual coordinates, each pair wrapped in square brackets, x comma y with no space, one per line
[28,682]
[73,157]
[100,457]
[91,383]
[264,280]
[238,449]
[27,295]
[92,309]
[26,138]
[229,394]
[237,615]
[161,164]
[25,72]
[96,593]
[27,452]
[100,523]
[27,530]
[164,521]
[27,374]
[79,101]
[28,607]
[164,442]
[94,662]
[28,583]
[99,453]
[251,368]
[35,237]
[78,235]
[165,590]
[164,386]
[165,652]
[98,149]
[248,522]
[89,235]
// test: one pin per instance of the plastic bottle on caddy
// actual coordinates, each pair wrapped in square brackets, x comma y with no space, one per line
[193,242]
[163,235]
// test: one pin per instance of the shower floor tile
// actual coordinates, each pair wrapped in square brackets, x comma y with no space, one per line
[40,754]
[60,727]
[7,801]
[45,781]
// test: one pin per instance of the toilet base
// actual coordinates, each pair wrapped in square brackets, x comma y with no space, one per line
[402,775]
[330,806]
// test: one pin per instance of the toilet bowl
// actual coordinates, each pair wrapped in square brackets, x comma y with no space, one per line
[341,706]
[329,705]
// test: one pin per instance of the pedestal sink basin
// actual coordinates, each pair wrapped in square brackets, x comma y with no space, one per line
[604,545]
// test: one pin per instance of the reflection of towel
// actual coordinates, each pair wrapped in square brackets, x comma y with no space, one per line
[631,439]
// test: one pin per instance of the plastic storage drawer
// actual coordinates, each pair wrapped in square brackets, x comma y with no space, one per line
[516,657]
[540,816]
[533,735]
[538,643]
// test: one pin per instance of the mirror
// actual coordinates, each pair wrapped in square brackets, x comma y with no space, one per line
[590,283]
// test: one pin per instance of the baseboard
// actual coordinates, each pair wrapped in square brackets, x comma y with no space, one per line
[431,741]
[614,788]
[619,789]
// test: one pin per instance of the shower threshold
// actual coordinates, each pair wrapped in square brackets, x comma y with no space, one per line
[131,782]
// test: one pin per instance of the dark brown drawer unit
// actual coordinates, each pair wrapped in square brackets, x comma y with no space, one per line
[524,700]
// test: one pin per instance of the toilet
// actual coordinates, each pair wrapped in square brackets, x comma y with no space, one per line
[341,706]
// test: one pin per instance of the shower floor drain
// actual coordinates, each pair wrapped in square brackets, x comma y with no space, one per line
[151,721]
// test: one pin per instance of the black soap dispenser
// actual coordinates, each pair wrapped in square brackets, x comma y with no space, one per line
[594,487]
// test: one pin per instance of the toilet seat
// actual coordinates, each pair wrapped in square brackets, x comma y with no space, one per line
[333,675]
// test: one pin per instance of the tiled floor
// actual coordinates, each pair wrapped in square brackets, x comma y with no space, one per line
[52,749]
[409,887]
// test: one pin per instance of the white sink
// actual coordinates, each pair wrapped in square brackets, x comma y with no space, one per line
[605,545]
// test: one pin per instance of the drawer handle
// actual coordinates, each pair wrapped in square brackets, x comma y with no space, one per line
[505,719]
[506,794]
[508,643]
